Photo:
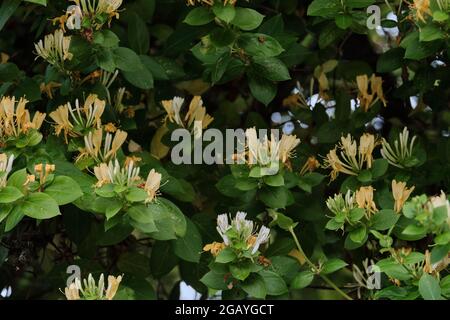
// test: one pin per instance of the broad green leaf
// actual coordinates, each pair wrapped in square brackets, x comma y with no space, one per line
[429,287]
[64,190]
[10,194]
[247,19]
[39,206]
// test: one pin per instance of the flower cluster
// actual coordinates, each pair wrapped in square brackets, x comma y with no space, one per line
[195,113]
[127,176]
[351,159]
[401,152]
[77,121]
[267,153]
[15,118]
[54,49]
[90,290]
[239,235]
[93,142]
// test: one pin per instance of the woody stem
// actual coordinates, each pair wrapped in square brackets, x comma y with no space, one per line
[315,269]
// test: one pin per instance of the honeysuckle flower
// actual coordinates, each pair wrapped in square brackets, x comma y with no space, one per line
[214,248]
[128,175]
[15,118]
[90,290]
[266,152]
[364,199]
[367,100]
[310,165]
[196,113]
[82,118]
[339,204]
[222,227]
[94,8]
[44,171]
[440,201]
[401,150]
[74,17]
[366,145]
[48,88]
[113,286]
[93,144]
[421,9]
[152,185]
[351,159]
[400,193]
[55,48]
[263,237]
[6,163]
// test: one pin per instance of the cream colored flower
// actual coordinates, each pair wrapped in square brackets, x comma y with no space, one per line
[113,286]
[440,201]
[55,48]
[287,144]
[6,163]
[402,149]
[367,144]
[364,199]
[152,185]
[93,145]
[83,118]
[90,290]
[128,175]
[400,193]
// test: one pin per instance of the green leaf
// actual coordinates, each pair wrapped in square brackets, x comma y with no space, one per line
[258,44]
[41,2]
[138,35]
[64,190]
[224,12]
[226,255]
[169,220]
[358,235]
[141,78]
[127,60]
[333,265]
[215,280]
[356,214]
[275,197]
[39,206]
[343,21]
[429,287]
[275,284]
[144,218]
[199,16]
[379,168]
[14,217]
[134,263]
[162,260]
[135,194]
[384,219]
[263,90]
[7,9]
[189,247]
[430,33]
[247,19]
[274,181]
[255,286]
[271,68]
[324,8]
[240,271]
[302,280]
[106,38]
[10,194]
[390,61]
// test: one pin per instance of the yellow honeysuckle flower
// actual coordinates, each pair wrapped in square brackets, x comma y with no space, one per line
[400,151]
[152,185]
[351,158]
[83,117]
[310,165]
[366,99]
[421,9]
[214,248]
[93,144]
[113,286]
[15,118]
[364,199]
[400,193]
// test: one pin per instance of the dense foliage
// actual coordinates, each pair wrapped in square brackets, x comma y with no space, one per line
[348,203]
